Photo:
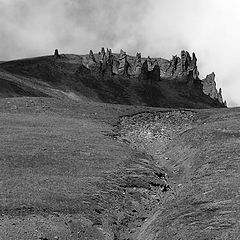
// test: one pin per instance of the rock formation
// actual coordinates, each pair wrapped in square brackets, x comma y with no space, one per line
[150,71]
[209,88]
[56,53]
[91,56]
[155,73]
[109,65]
[220,98]
[123,64]
[92,63]
[183,67]
[144,71]
[106,62]
[150,64]
[138,65]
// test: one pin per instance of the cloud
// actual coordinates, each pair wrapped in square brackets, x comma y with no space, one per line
[155,27]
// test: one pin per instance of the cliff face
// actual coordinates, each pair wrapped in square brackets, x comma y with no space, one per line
[182,69]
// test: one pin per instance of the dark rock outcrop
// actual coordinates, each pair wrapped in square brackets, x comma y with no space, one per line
[56,53]
[150,71]
[144,71]
[155,73]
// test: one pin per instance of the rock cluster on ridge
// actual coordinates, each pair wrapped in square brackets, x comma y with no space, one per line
[181,69]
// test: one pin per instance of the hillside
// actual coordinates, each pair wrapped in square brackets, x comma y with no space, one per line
[80,169]
[108,150]
[58,76]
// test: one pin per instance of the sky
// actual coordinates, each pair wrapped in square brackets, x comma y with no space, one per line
[156,28]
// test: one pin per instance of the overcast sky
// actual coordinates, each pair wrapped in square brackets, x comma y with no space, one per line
[159,28]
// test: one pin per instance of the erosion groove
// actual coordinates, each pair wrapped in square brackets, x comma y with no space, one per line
[144,180]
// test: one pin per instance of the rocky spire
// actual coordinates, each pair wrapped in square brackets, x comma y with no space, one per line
[109,65]
[138,65]
[123,64]
[150,64]
[91,56]
[209,88]
[103,61]
[156,72]
[193,66]
[220,98]
[106,62]
[92,63]
[144,71]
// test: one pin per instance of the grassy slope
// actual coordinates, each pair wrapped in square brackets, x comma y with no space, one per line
[58,157]
[54,155]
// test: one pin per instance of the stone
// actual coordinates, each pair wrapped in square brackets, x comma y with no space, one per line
[220,98]
[173,64]
[193,66]
[183,68]
[209,88]
[150,72]
[123,64]
[91,56]
[155,74]
[56,53]
[92,63]
[106,62]
[103,62]
[144,71]
[138,65]
[109,62]
[150,64]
